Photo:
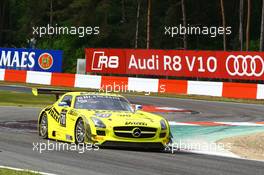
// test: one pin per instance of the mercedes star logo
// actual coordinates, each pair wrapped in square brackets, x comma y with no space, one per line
[136,132]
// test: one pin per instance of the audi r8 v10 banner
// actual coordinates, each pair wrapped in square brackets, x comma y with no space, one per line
[31,59]
[179,63]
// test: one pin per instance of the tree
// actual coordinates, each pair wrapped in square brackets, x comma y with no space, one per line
[262,29]
[248,24]
[18,17]
[241,14]
[123,11]
[223,22]
[184,23]
[148,23]
[3,19]
[51,12]
[138,10]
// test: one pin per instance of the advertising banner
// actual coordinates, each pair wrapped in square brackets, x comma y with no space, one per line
[31,59]
[178,63]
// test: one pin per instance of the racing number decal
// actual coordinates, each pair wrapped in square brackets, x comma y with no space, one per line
[63,117]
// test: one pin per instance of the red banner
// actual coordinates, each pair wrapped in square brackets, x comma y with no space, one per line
[178,63]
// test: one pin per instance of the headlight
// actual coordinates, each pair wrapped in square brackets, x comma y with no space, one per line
[98,123]
[102,115]
[163,125]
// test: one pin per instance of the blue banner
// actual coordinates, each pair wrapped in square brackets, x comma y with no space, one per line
[31,59]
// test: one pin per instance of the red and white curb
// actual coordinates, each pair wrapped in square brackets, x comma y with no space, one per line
[205,123]
[26,170]
[150,108]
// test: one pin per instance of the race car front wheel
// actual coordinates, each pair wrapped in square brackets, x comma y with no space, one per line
[79,131]
[43,126]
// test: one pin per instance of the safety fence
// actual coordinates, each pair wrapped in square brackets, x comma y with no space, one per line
[122,84]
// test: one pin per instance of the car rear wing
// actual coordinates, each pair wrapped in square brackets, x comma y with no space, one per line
[56,92]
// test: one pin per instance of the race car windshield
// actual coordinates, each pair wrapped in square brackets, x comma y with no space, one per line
[98,102]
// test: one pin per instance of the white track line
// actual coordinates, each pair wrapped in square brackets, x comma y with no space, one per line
[219,154]
[173,123]
[19,169]
[241,123]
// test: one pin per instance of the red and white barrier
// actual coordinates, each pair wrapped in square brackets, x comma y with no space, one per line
[205,88]
[143,84]
[38,77]
[219,89]
[2,74]
[87,81]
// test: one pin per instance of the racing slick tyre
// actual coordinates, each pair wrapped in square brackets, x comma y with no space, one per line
[79,131]
[43,126]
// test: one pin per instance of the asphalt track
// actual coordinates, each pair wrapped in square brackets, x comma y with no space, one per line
[16,148]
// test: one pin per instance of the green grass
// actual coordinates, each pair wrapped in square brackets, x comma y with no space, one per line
[4,171]
[11,98]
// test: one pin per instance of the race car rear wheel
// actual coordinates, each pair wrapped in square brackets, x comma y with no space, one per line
[43,126]
[79,131]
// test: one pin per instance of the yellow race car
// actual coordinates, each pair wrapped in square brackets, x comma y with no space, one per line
[102,119]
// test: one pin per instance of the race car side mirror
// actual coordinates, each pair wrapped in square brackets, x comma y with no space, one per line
[64,104]
[136,107]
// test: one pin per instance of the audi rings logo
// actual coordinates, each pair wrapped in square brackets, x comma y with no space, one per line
[245,65]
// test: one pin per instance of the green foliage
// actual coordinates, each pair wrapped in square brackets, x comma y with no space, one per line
[13,172]
[118,24]
[24,99]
